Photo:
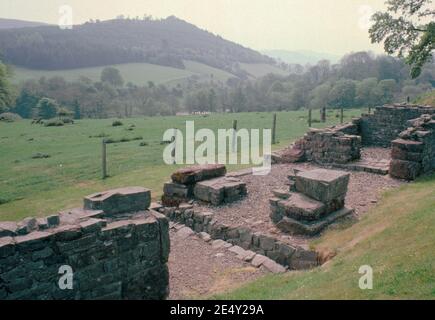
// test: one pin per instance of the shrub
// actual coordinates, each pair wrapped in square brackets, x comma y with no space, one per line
[54,123]
[40,156]
[117,123]
[9,117]
[67,120]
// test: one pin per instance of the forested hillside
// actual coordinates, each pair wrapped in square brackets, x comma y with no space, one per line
[14,23]
[163,42]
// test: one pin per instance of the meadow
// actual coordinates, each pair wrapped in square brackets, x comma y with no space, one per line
[141,73]
[42,186]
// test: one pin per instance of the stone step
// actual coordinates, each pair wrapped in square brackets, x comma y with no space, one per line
[323,185]
[298,207]
[220,190]
[295,227]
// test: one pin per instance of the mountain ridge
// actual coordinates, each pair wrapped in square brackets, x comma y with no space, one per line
[164,42]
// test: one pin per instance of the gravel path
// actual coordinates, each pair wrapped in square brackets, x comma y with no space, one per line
[253,211]
[197,270]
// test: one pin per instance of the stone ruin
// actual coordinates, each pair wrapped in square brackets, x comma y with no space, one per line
[340,146]
[206,183]
[116,246]
[314,200]
[413,153]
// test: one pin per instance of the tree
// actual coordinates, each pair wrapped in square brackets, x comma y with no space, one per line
[77,111]
[26,102]
[319,96]
[6,96]
[112,76]
[47,108]
[404,30]
[342,94]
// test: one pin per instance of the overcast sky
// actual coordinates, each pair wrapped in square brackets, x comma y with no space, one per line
[332,26]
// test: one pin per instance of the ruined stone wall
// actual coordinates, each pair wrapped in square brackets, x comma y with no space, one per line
[296,258]
[387,122]
[339,144]
[413,153]
[123,258]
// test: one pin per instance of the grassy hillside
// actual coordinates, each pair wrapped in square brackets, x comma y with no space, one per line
[427,99]
[257,70]
[137,73]
[396,239]
[36,187]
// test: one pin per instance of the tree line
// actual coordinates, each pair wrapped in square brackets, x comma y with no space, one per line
[359,80]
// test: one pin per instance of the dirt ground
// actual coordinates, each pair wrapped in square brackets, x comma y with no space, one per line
[197,270]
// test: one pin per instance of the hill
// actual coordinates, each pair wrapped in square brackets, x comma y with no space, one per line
[136,73]
[396,239]
[14,24]
[301,57]
[164,42]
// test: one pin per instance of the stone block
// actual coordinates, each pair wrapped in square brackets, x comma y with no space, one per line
[220,190]
[121,200]
[194,174]
[402,169]
[295,227]
[300,207]
[8,229]
[323,185]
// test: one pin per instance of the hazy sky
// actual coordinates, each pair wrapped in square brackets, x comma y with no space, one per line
[333,26]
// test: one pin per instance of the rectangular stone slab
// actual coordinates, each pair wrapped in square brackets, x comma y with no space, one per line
[198,173]
[323,185]
[220,190]
[301,207]
[295,227]
[121,200]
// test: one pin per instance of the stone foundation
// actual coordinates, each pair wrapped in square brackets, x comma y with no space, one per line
[315,200]
[206,183]
[414,152]
[113,254]
[295,258]
[387,122]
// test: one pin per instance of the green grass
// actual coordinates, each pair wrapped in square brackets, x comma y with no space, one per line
[38,187]
[141,73]
[396,239]
[137,73]
[258,70]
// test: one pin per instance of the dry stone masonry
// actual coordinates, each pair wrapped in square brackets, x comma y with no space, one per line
[413,153]
[340,146]
[263,245]
[116,247]
[207,183]
[387,122]
[315,200]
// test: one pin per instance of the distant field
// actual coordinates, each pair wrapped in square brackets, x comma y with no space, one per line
[37,187]
[258,70]
[141,73]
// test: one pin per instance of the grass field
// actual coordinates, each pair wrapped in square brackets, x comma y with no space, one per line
[37,187]
[258,70]
[396,239]
[141,73]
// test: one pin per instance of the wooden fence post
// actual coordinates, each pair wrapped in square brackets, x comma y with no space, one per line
[274,129]
[341,115]
[323,114]
[234,142]
[309,117]
[104,159]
